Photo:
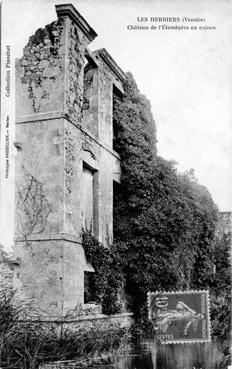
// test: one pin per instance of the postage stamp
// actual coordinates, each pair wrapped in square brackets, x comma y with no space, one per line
[181,316]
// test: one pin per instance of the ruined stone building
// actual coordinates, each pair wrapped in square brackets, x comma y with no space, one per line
[66,165]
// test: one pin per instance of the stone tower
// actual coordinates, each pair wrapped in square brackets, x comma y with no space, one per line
[66,165]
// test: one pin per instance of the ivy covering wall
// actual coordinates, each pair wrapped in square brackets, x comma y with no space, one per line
[164,221]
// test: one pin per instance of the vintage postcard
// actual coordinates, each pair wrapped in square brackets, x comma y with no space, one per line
[116,174]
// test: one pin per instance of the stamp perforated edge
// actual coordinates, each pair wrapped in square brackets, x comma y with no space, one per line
[203,340]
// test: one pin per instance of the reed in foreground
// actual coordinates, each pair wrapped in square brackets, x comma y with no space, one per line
[25,343]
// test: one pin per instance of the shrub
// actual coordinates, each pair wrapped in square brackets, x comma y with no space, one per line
[164,221]
[25,343]
[108,276]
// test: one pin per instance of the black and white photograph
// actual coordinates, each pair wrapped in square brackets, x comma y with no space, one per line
[116,184]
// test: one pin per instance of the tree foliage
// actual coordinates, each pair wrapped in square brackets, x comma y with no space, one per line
[27,342]
[164,221]
[220,286]
[107,278]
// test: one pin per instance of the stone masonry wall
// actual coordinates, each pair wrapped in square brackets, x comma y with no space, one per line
[40,170]
[58,135]
[106,80]
[40,71]
[90,103]
[39,280]
[76,45]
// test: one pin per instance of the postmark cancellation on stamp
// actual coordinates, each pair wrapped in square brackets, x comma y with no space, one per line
[181,316]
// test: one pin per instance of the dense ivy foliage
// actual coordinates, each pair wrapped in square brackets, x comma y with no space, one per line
[164,221]
[107,278]
[220,286]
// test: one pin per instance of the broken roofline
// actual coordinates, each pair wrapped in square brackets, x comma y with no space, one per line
[69,10]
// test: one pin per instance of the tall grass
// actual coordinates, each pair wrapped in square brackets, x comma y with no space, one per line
[26,342]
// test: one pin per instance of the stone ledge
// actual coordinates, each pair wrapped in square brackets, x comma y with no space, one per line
[69,10]
[85,318]
[100,317]
[107,58]
[49,237]
[39,117]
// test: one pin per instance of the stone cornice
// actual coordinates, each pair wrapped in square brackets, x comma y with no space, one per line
[69,10]
[49,237]
[111,64]
[91,58]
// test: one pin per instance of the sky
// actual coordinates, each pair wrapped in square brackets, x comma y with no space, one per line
[186,74]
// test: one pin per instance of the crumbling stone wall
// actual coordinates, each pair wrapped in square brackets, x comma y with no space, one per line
[51,71]
[76,44]
[70,157]
[64,122]
[41,71]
